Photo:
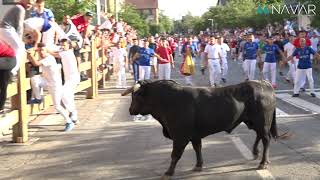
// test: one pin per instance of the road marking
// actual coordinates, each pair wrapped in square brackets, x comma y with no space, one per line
[265,174]
[242,148]
[247,154]
[280,113]
[305,105]
[291,90]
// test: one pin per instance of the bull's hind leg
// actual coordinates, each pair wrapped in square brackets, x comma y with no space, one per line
[265,157]
[196,143]
[255,149]
[178,149]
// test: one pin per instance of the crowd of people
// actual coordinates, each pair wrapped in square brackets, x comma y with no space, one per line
[52,48]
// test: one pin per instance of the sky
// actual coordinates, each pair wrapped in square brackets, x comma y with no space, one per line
[177,8]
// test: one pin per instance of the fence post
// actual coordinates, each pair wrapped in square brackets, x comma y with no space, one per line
[102,82]
[93,90]
[19,102]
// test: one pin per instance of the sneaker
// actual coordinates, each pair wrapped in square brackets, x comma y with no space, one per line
[295,95]
[202,71]
[223,80]
[313,94]
[281,73]
[69,127]
[302,90]
[288,80]
[35,101]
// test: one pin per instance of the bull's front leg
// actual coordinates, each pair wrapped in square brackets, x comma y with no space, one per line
[197,145]
[178,149]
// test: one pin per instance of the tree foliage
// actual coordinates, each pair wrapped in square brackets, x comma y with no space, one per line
[69,7]
[134,19]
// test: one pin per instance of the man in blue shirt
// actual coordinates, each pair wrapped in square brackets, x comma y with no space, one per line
[42,12]
[250,50]
[270,62]
[143,57]
[304,67]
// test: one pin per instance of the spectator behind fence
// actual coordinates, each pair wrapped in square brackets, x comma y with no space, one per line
[11,30]
[7,62]
[82,23]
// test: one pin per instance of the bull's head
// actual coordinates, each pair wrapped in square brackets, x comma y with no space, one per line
[139,104]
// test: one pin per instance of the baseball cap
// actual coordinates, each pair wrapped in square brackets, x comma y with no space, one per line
[89,14]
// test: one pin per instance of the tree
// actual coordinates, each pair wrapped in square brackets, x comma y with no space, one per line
[166,24]
[242,13]
[130,15]
[69,7]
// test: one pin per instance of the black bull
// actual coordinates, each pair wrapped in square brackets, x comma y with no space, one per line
[191,113]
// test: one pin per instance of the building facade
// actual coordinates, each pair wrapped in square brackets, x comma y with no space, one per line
[149,9]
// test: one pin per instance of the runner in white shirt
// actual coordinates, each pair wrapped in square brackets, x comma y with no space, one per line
[71,77]
[120,64]
[36,26]
[288,50]
[314,41]
[213,56]
[50,80]
[224,64]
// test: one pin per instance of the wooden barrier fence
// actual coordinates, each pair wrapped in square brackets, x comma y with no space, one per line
[20,112]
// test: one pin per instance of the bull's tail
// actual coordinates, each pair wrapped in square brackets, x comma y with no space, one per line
[274,128]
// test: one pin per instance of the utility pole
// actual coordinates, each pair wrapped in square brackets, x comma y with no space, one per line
[211,25]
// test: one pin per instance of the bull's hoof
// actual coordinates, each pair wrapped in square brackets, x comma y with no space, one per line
[165,177]
[255,156]
[197,169]
[263,166]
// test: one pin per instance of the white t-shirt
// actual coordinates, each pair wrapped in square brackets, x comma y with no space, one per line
[51,71]
[118,56]
[69,65]
[106,25]
[33,23]
[289,48]
[213,51]
[224,49]
[314,43]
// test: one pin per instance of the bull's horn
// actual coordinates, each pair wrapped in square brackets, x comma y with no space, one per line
[127,91]
[136,87]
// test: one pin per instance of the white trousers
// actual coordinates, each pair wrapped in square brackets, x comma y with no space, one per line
[249,67]
[144,72]
[292,69]
[224,67]
[300,80]
[69,88]
[11,37]
[121,76]
[188,80]
[270,70]
[214,71]
[56,92]
[164,71]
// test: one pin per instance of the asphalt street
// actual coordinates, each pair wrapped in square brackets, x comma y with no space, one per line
[109,144]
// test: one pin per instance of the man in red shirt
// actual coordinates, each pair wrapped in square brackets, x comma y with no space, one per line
[165,52]
[302,34]
[82,22]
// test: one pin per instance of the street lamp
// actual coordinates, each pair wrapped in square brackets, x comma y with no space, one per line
[211,24]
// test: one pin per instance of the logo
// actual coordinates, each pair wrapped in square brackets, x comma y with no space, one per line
[266,8]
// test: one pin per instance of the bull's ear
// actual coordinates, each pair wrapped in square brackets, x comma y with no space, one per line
[144,82]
